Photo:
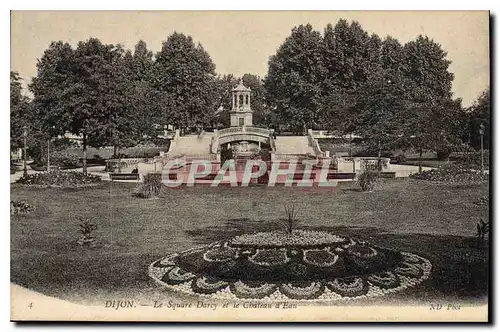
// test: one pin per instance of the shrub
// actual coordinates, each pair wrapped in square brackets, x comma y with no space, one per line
[151,186]
[483,229]
[86,227]
[20,207]
[291,220]
[227,154]
[483,200]
[64,159]
[400,158]
[265,154]
[443,153]
[368,179]
[142,152]
[59,179]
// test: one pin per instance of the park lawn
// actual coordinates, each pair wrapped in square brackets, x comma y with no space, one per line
[435,221]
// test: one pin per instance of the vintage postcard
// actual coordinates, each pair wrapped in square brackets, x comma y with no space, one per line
[250,166]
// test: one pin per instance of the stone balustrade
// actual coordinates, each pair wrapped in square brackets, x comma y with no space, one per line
[124,165]
[232,130]
[358,164]
[314,143]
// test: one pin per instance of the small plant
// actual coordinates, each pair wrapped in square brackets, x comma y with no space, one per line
[368,179]
[483,229]
[151,186]
[291,220]
[86,228]
[400,158]
[484,200]
[20,207]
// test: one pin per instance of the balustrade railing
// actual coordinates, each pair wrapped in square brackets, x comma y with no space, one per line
[233,130]
[314,143]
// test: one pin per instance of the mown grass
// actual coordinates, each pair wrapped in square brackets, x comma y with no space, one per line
[435,221]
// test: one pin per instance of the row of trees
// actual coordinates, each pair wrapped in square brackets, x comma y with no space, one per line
[115,97]
[345,80]
[348,81]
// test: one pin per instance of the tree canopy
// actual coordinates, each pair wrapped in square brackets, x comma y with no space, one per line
[345,79]
[185,76]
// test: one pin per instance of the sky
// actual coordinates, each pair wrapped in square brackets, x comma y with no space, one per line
[242,41]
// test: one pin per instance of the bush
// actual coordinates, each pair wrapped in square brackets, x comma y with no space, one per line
[151,186]
[142,152]
[483,200]
[443,154]
[452,173]
[265,154]
[483,229]
[20,207]
[59,179]
[368,179]
[291,220]
[64,159]
[400,158]
[472,159]
[226,154]
[85,229]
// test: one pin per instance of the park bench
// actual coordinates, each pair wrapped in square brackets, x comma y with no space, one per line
[124,176]
[300,176]
[388,175]
[340,176]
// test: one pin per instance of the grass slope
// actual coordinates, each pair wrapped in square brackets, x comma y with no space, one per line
[133,232]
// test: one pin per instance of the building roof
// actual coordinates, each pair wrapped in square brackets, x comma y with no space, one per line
[241,87]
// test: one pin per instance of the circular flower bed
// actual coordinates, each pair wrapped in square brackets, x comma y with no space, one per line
[301,266]
[60,179]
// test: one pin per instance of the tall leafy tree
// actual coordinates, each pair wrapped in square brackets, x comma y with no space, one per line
[293,83]
[383,99]
[82,91]
[429,122]
[144,105]
[351,55]
[225,84]
[261,114]
[480,113]
[19,111]
[185,76]
[23,114]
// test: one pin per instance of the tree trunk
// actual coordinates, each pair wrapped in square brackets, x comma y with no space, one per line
[48,155]
[420,160]
[115,150]
[350,145]
[379,156]
[84,154]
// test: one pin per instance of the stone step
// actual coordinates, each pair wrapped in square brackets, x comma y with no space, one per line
[293,145]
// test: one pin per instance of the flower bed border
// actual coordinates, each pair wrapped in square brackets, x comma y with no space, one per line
[47,186]
[441,183]
[161,267]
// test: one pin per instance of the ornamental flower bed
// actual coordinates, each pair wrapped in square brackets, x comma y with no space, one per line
[301,266]
[452,174]
[59,179]
[20,207]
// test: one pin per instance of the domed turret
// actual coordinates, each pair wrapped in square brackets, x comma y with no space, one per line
[241,112]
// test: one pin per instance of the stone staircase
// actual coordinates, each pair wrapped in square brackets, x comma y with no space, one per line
[293,145]
[190,145]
